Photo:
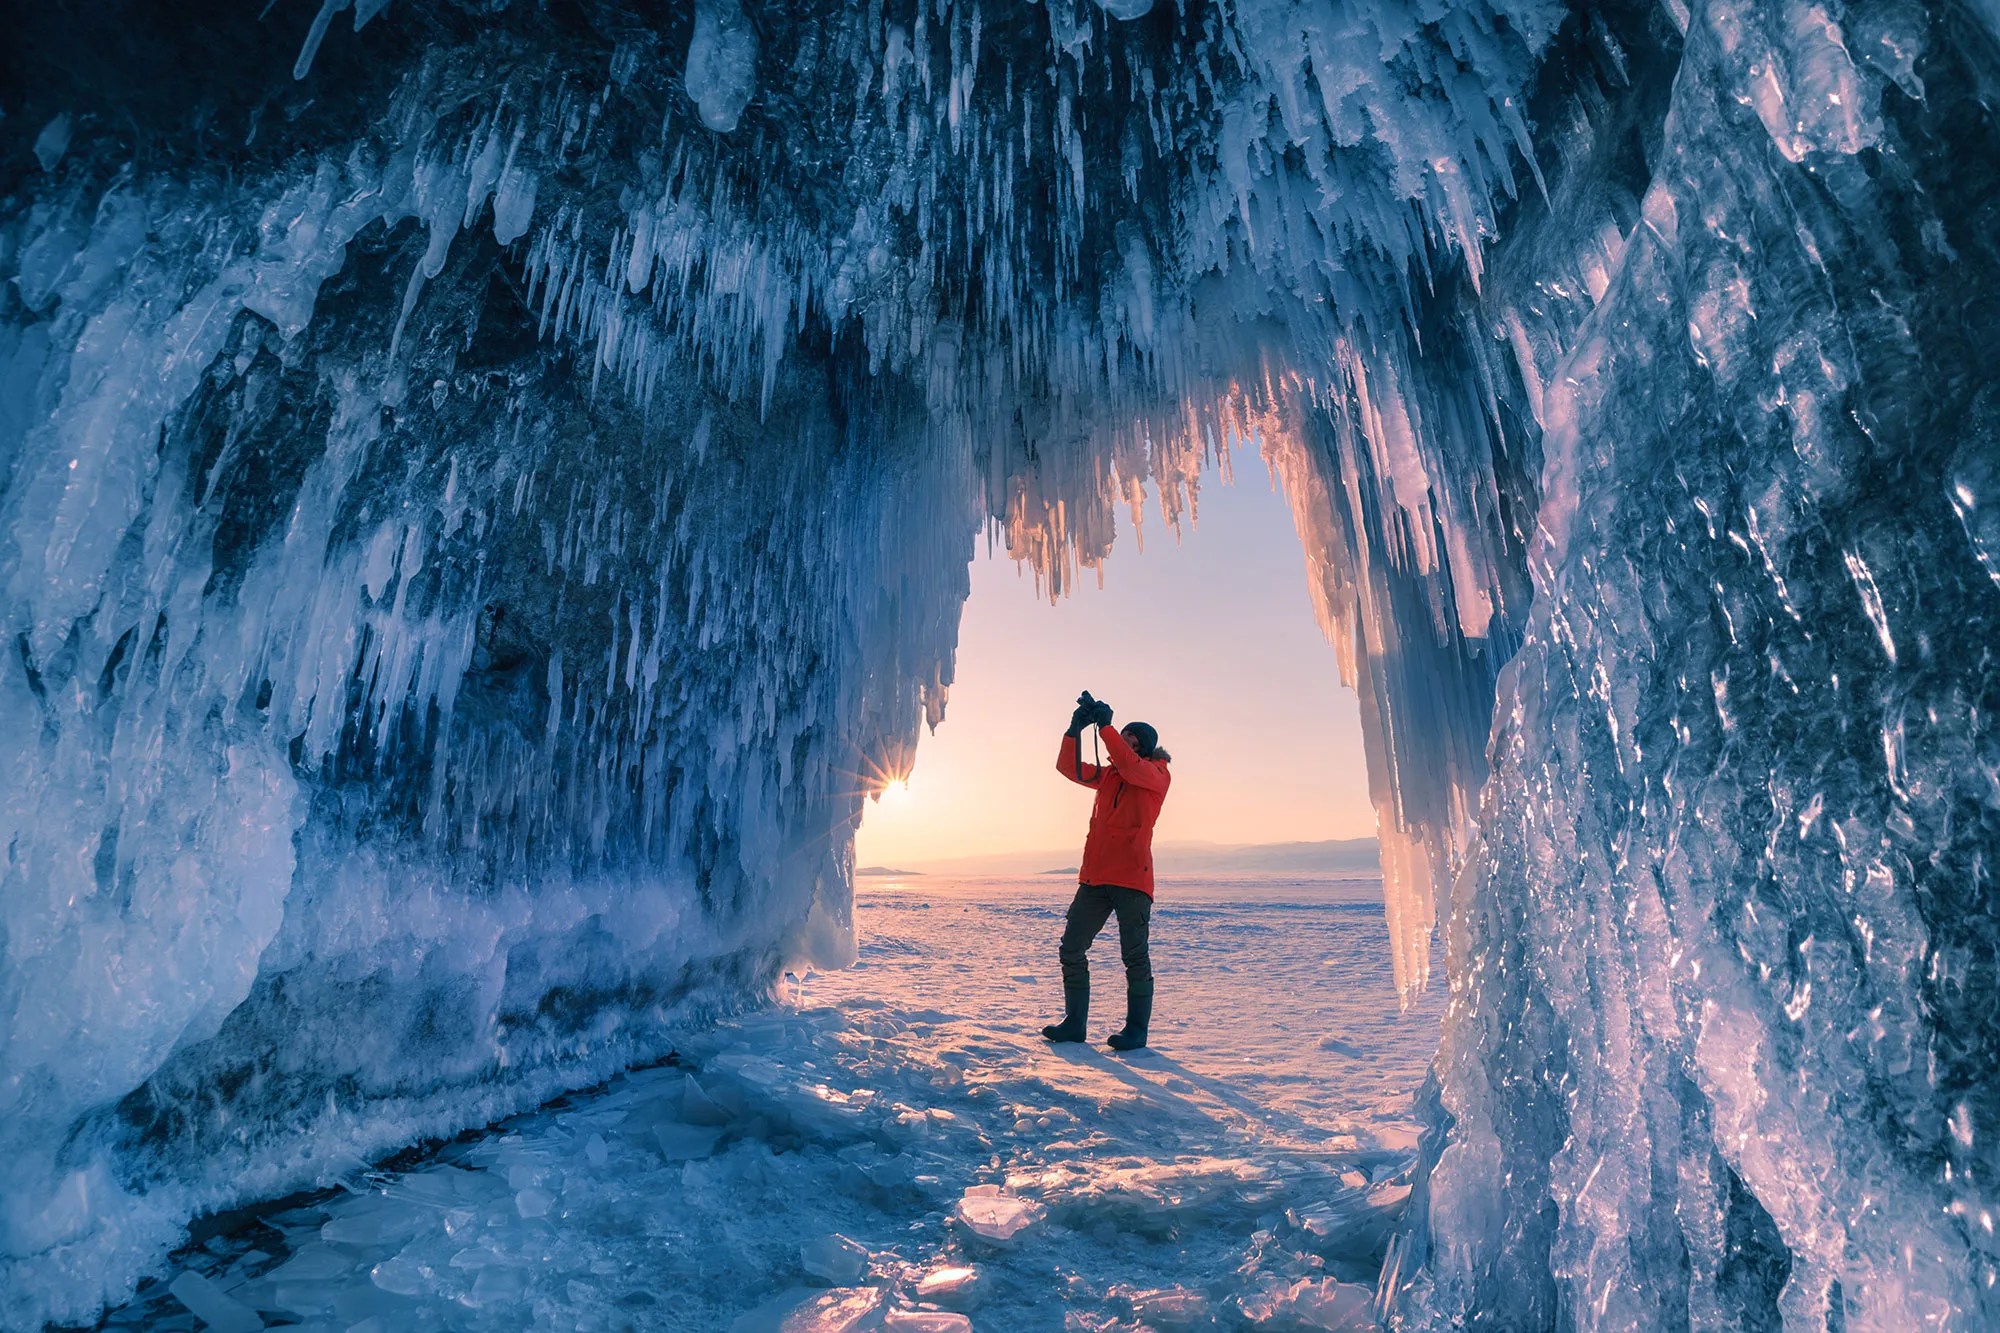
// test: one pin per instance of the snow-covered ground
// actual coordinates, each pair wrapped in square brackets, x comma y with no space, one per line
[894,1147]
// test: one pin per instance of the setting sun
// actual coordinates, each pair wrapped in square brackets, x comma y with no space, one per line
[1220,604]
[894,795]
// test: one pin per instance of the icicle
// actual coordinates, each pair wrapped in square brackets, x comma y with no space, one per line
[315,34]
[721,74]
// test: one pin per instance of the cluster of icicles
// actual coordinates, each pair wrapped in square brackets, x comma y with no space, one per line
[1286,167]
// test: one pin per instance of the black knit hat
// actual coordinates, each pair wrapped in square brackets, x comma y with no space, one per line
[1149,739]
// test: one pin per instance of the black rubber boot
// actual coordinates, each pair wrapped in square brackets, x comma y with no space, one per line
[1138,1017]
[1076,1006]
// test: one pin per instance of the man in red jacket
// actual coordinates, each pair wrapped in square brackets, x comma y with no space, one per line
[1117,870]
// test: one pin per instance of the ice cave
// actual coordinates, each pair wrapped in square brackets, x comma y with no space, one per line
[486,488]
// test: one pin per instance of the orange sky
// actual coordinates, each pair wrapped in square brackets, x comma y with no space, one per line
[1211,640]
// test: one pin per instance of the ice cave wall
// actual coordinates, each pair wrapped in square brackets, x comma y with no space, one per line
[487,490]
[398,732]
[1721,1043]
[486,494]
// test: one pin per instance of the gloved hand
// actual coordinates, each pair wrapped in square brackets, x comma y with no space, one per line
[1079,718]
[1101,715]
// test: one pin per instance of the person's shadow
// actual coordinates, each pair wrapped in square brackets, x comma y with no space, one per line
[1122,1067]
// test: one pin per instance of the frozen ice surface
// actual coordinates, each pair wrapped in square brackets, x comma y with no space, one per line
[903,1152]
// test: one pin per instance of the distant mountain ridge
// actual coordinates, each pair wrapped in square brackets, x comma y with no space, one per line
[1346,858]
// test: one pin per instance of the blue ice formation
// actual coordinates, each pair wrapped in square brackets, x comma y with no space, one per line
[485,492]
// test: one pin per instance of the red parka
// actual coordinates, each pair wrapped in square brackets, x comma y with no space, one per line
[1130,792]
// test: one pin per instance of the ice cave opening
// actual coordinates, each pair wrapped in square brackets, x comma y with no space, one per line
[1202,631]
[479,476]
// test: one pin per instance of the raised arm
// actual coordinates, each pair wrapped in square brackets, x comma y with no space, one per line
[1148,773]
[1088,775]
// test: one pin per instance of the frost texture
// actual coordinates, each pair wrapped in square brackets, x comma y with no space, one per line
[479,518]
[1720,1052]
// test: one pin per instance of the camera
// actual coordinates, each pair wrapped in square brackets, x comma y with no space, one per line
[1090,709]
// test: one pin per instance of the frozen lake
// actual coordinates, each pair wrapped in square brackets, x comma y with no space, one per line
[1280,988]
[894,1147]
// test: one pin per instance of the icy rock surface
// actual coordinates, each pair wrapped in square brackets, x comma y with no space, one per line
[486,491]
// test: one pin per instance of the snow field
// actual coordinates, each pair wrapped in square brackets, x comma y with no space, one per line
[894,1148]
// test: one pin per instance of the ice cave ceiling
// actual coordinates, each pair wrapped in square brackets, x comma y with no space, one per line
[486,488]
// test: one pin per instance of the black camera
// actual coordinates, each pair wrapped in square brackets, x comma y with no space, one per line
[1089,709]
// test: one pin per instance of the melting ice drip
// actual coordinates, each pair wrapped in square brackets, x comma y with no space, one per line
[470,548]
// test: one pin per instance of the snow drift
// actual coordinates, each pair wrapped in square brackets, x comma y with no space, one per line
[487,487]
